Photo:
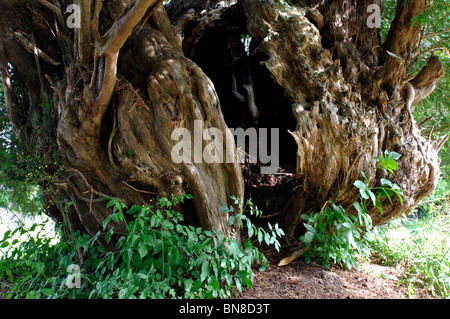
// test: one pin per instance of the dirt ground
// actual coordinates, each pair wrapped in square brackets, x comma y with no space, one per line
[311,281]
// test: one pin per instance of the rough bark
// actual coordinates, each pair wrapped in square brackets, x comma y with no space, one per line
[342,125]
[124,82]
[348,93]
[113,114]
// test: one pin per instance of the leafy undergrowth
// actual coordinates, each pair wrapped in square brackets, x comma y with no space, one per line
[159,257]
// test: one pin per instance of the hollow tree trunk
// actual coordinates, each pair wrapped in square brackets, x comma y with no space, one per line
[124,82]
[348,93]
[350,100]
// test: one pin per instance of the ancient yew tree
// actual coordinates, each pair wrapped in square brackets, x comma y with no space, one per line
[97,91]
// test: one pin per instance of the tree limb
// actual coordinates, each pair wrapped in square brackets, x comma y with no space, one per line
[109,45]
[10,101]
[33,49]
[97,10]
[55,9]
[84,33]
[404,38]
[402,42]
[425,82]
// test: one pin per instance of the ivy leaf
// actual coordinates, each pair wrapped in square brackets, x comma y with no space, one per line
[309,236]
[386,182]
[305,217]
[205,270]
[48,292]
[260,236]
[310,228]
[134,209]
[142,250]
[224,208]
[358,207]
[363,189]
[393,155]
[215,284]
[231,220]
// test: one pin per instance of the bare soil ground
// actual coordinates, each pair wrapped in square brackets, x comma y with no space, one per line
[311,281]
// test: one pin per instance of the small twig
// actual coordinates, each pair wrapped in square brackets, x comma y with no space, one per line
[271,215]
[323,207]
[90,203]
[427,120]
[442,142]
[140,191]
[431,133]
[55,9]
[38,64]
[33,49]
[294,256]
[87,184]
[58,91]
[84,199]
[111,137]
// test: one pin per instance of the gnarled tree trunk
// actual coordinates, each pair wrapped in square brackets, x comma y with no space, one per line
[123,83]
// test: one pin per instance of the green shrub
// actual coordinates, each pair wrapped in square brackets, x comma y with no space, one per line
[158,257]
[335,235]
[422,247]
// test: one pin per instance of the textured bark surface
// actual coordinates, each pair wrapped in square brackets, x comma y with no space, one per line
[113,116]
[347,94]
[136,71]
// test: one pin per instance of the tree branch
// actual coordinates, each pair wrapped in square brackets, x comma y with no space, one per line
[402,42]
[116,36]
[426,120]
[55,9]
[8,92]
[108,47]
[403,38]
[84,33]
[425,82]
[33,49]
[97,10]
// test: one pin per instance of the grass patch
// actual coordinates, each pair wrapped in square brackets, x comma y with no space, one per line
[422,247]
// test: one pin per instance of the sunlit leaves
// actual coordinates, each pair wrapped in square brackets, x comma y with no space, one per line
[335,235]
[158,257]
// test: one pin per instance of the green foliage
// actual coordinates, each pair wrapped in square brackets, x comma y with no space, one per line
[335,235]
[157,257]
[24,168]
[260,235]
[29,261]
[422,247]
[127,153]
